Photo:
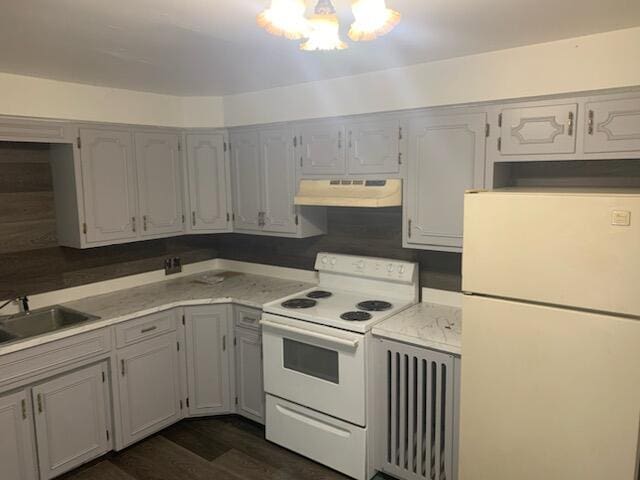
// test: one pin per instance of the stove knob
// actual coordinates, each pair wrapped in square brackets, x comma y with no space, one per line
[324,260]
[360,264]
[333,261]
[390,267]
[401,269]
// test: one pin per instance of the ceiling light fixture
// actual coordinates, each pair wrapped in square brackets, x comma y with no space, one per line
[285,18]
[322,31]
[325,29]
[372,19]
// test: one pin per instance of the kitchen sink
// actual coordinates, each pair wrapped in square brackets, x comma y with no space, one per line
[38,322]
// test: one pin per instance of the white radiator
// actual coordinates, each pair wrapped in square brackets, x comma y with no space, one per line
[419,408]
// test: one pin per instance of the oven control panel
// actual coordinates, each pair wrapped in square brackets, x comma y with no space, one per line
[366,267]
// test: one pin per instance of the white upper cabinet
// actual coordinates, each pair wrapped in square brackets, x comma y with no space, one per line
[373,147]
[538,129]
[264,181]
[322,148]
[17,449]
[612,125]
[159,183]
[446,157]
[108,183]
[209,337]
[245,164]
[71,420]
[278,174]
[207,183]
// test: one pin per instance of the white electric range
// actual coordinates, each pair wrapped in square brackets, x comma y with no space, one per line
[317,354]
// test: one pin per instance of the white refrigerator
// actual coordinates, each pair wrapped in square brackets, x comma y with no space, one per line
[551,336]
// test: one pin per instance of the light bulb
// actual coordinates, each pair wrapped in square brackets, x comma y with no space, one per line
[324,34]
[372,19]
[285,18]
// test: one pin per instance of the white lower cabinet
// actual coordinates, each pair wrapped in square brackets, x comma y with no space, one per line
[149,386]
[249,385]
[17,449]
[208,333]
[71,420]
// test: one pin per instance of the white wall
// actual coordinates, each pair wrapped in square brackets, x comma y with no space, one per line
[607,60]
[593,62]
[37,97]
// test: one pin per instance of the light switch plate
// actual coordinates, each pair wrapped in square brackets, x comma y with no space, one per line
[172,265]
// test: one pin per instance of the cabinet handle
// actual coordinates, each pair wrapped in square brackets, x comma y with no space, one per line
[339,139]
[590,124]
[193,218]
[144,222]
[249,320]
[133,224]
[39,398]
[409,228]
[570,124]
[148,329]
[350,138]
[122,367]
[23,404]
[224,343]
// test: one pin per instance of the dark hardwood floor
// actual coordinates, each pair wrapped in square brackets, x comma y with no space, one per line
[220,448]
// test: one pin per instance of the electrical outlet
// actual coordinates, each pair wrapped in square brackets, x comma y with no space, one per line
[172,265]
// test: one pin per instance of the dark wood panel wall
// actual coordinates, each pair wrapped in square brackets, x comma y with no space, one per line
[356,231]
[31,261]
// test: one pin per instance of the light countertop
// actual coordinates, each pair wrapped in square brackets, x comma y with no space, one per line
[429,325]
[199,289]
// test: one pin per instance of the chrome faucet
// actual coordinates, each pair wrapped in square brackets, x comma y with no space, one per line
[23,303]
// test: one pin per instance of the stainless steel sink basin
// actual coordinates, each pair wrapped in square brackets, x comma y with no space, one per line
[38,322]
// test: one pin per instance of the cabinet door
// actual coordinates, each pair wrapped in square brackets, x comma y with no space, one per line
[245,165]
[249,385]
[159,183]
[612,126]
[149,380]
[17,452]
[108,183]
[323,149]
[207,331]
[207,174]
[537,130]
[71,420]
[373,147]
[277,171]
[446,157]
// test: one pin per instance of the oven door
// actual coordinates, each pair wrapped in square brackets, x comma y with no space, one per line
[319,367]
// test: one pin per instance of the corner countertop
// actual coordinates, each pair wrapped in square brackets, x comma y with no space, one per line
[429,325]
[199,289]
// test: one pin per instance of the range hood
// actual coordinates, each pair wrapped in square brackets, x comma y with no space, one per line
[350,193]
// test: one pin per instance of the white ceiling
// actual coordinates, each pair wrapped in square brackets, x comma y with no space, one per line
[213,47]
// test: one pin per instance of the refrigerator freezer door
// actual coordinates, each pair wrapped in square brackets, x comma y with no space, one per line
[548,393]
[579,250]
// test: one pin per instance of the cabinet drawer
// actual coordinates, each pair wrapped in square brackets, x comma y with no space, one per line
[332,442]
[145,327]
[246,317]
[43,358]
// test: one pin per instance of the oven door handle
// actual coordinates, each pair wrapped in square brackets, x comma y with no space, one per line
[351,343]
